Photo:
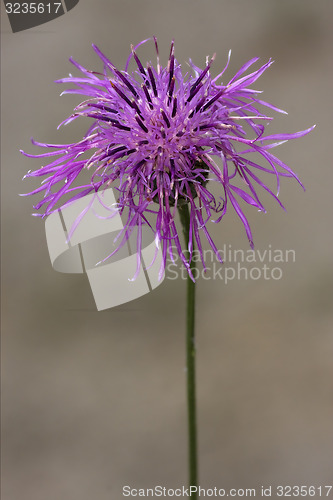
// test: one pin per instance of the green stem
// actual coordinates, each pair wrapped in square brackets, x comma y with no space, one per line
[190,358]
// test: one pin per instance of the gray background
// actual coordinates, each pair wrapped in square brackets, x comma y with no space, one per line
[93,401]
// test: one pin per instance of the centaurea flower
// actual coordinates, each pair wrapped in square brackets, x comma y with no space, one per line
[158,136]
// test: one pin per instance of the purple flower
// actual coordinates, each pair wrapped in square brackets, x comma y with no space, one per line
[157,137]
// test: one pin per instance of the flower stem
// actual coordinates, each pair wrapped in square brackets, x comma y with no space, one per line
[190,358]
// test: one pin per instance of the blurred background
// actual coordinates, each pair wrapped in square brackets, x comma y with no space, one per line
[93,401]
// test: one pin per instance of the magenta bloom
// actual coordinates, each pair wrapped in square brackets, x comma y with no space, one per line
[158,136]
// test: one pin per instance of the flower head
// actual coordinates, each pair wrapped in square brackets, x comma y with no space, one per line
[158,136]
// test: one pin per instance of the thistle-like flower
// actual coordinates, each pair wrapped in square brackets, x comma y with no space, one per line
[158,136]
